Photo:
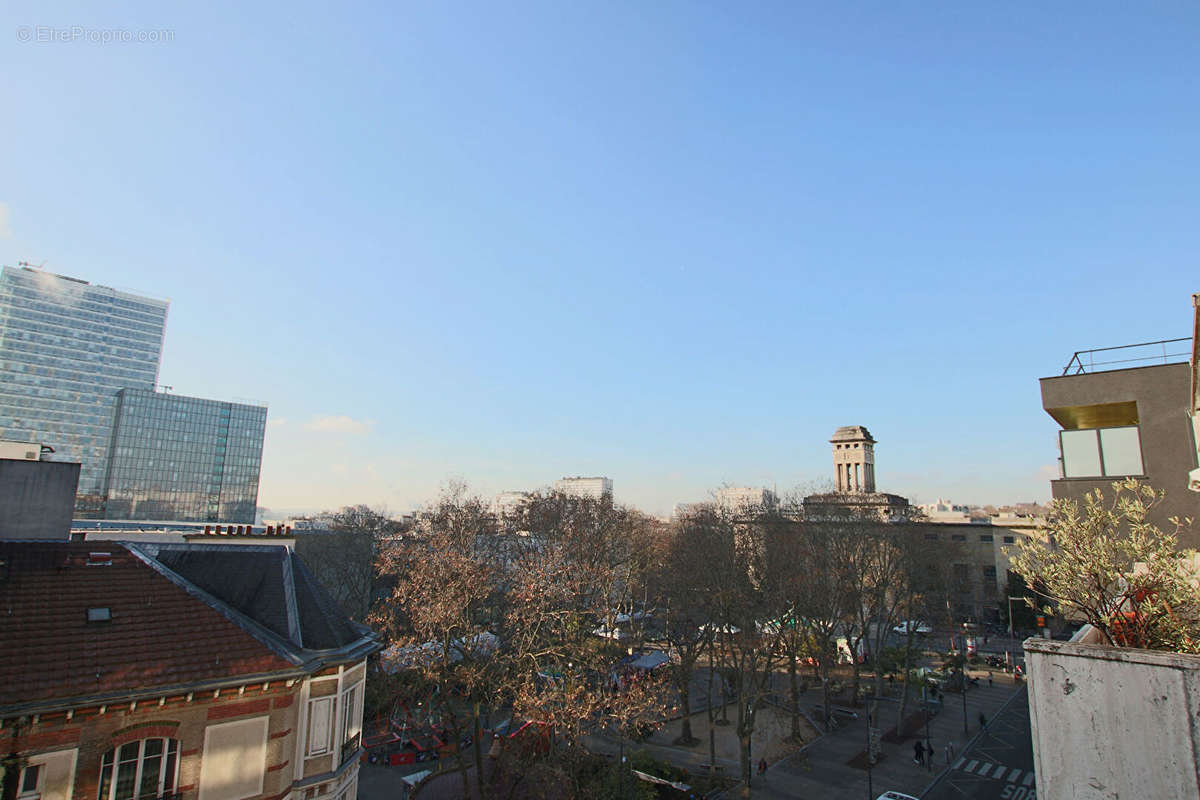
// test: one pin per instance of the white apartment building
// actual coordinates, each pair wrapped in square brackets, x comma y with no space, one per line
[506,504]
[743,499]
[597,487]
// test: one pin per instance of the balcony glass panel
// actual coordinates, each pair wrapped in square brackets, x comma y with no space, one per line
[1081,454]
[1122,451]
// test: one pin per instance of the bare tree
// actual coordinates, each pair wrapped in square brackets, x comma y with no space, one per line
[685,606]
[343,559]
[439,616]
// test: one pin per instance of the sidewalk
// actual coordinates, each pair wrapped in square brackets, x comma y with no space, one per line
[821,771]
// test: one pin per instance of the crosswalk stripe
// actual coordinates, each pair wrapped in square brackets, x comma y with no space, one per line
[983,770]
[970,767]
[999,773]
[1028,779]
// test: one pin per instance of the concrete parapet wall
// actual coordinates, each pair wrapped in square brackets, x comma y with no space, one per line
[1113,722]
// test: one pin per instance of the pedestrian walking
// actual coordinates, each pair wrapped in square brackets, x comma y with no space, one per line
[982,721]
[949,753]
[989,679]
[762,766]
[918,753]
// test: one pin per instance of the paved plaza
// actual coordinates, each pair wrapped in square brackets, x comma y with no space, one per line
[821,771]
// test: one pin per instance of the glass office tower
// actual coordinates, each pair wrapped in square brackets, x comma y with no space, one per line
[66,348]
[183,458]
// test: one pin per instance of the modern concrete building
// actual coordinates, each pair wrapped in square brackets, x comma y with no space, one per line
[37,497]
[66,348]
[586,487]
[184,458]
[1124,416]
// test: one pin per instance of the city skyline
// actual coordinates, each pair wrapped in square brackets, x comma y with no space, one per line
[673,248]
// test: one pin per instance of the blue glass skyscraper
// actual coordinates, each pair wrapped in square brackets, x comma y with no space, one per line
[184,458]
[66,348]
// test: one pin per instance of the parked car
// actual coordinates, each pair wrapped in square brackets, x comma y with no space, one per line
[914,625]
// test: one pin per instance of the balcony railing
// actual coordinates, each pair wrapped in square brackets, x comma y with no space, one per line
[350,748]
[1102,359]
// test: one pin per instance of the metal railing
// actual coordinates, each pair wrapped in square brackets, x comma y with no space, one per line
[350,747]
[1128,355]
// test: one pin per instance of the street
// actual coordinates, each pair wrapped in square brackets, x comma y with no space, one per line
[999,763]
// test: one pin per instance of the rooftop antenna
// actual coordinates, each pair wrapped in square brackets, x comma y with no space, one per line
[31,266]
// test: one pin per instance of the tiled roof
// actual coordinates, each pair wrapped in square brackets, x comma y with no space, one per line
[160,634]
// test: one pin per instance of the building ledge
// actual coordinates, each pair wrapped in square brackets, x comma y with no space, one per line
[1103,652]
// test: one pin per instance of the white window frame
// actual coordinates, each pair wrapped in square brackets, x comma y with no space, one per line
[163,783]
[351,716]
[313,748]
[36,793]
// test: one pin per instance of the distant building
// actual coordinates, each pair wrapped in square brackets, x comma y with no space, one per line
[66,348]
[684,510]
[744,499]
[944,507]
[854,473]
[974,551]
[595,488]
[177,671]
[1127,421]
[184,458]
[945,511]
[506,504]
[854,459]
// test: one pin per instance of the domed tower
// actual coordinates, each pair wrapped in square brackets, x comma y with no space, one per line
[854,459]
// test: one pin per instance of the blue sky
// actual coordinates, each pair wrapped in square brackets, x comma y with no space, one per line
[677,244]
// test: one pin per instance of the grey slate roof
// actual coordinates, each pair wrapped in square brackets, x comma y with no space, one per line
[267,586]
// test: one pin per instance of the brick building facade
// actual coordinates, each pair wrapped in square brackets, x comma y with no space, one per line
[197,672]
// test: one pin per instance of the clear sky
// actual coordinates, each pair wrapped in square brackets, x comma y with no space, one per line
[677,244]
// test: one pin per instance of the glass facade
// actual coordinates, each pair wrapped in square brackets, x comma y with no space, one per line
[184,458]
[66,348]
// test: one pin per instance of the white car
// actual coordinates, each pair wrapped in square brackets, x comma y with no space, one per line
[895,796]
[914,625]
[616,634]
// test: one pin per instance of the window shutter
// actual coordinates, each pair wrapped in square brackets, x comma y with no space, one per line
[320,719]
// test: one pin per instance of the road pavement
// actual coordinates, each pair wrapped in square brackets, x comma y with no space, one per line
[998,764]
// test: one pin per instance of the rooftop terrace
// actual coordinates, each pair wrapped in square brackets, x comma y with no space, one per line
[1104,359]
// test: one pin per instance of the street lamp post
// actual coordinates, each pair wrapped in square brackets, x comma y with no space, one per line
[928,744]
[1011,633]
[962,672]
[749,741]
[870,783]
